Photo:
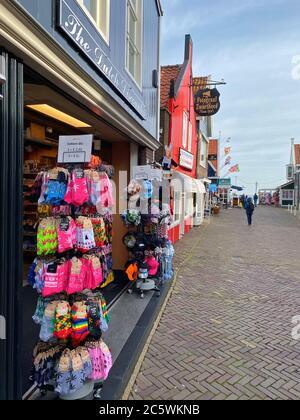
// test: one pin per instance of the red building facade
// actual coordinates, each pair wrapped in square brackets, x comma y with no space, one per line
[179,131]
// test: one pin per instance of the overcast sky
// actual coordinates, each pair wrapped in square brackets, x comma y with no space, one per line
[250,44]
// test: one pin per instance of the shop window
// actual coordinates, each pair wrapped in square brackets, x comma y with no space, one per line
[177,206]
[98,12]
[290,172]
[287,194]
[185,129]
[134,39]
[190,136]
[203,161]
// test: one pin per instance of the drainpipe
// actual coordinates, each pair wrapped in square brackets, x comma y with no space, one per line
[171,109]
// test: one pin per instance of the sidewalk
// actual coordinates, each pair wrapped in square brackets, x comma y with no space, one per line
[226,330]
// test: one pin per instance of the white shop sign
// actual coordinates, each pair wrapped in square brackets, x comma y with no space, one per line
[146,172]
[186,159]
[75,149]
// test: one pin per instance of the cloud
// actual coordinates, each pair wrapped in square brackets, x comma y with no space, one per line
[250,44]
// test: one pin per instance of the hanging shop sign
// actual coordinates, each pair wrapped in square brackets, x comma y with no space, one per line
[186,159]
[224,183]
[89,42]
[207,102]
[75,149]
[147,172]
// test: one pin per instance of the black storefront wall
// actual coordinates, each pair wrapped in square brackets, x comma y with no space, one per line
[11,164]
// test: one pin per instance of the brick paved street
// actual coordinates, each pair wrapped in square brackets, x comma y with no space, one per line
[226,330]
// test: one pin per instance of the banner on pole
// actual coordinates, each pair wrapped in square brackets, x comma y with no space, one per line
[234,169]
[227,151]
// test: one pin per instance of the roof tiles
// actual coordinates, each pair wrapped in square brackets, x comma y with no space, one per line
[168,73]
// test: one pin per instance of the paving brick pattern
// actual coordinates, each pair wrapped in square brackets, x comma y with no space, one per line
[226,331]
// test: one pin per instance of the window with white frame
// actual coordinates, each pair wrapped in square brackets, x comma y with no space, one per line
[185,129]
[134,39]
[190,136]
[287,194]
[98,12]
[290,171]
[203,160]
[177,206]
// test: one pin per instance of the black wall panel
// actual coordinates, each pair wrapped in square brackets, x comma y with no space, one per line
[11,164]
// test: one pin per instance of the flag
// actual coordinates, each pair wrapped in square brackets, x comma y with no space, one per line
[227,151]
[228,161]
[234,169]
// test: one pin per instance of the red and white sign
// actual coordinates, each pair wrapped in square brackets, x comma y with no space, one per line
[186,159]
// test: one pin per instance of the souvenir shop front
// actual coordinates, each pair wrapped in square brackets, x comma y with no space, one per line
[187,203]
[62,249]
[55,203]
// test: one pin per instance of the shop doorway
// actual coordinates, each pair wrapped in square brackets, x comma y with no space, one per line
[182,214]
[48,114]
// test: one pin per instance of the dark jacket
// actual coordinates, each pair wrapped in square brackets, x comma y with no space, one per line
[249,207]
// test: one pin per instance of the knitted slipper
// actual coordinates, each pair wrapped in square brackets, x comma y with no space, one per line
[63,325]
[47,327]
[40,309]
[77,374]
[86,360]
[94,320]
[80,328]
[63,375]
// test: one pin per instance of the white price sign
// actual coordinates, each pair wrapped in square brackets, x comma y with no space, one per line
[75,149]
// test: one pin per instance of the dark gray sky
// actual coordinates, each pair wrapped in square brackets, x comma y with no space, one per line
[252,44]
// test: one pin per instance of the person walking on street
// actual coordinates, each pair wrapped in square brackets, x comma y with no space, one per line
[255,199]
[249,210]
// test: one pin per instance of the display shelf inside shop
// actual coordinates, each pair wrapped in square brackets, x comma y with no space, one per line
[45,142]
